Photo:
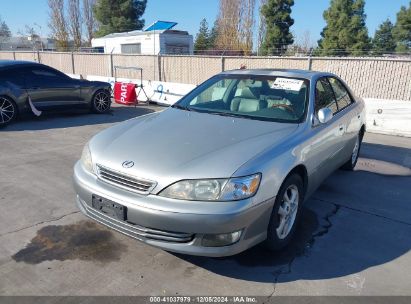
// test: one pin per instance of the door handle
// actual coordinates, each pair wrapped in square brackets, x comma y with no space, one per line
[341,128]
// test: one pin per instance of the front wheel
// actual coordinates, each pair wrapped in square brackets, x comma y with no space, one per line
[8,111]
[101,102]
[286,213]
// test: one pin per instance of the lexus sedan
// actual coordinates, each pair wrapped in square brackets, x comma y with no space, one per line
[225,168]
[27,87]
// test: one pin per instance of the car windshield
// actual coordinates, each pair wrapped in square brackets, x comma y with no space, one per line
[272,98]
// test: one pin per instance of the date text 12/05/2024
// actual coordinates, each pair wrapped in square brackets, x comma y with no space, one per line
[203,299]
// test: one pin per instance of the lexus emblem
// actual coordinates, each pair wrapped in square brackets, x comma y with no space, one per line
[128,164]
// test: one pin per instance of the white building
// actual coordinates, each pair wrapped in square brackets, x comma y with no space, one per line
[157,39]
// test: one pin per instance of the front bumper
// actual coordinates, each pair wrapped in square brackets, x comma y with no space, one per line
[180,232]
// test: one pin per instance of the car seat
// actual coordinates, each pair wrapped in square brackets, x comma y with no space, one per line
[248,101]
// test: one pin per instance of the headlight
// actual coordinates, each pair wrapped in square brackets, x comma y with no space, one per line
[241,187]
[86,159]
[214,189]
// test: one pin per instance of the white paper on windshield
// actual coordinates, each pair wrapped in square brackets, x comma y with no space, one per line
[288,84]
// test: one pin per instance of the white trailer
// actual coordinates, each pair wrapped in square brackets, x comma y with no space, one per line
[157,39]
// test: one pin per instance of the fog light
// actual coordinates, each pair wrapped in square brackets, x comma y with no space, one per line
[218,240]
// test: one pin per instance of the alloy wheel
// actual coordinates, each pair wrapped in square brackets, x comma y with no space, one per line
[7,110]
[102,102]
[287,212]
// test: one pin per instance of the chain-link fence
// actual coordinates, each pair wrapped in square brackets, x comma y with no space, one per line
[382,78]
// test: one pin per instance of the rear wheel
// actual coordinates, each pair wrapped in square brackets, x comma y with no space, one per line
[350,164]
[8,111]
[101,102]
[286,213]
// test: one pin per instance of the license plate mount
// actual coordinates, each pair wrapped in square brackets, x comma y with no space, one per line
[109,208]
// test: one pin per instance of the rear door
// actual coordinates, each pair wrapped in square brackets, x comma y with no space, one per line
[51,89]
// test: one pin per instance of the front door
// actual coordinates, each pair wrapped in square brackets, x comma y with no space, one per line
[348,110]
[326,142]
[50,89]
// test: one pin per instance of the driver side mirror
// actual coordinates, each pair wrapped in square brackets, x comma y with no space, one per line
[324,115]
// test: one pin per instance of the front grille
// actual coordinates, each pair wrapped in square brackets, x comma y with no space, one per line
[161,235]
[125,181]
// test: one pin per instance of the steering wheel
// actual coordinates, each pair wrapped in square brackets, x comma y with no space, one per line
[285,106]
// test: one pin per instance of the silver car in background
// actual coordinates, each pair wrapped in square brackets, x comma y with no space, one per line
[226,167]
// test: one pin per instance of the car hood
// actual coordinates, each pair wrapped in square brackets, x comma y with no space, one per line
[174,144]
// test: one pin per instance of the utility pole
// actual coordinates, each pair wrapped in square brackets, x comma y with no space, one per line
[154,56]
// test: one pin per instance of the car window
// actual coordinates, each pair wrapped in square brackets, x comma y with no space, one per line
[271,98]
[324,96]
[45,73]
[341,93]
[38,76]
[213,93]
[48,73]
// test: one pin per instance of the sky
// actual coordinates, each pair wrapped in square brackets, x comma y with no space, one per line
[307,14]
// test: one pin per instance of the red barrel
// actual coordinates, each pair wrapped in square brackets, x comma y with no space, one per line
[125,93]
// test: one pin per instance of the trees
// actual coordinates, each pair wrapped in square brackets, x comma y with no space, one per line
[228,20]
[89,20]
[303,43]
[247,25]
[29,37]
[213,35]
[262,28]
[202,42]
[383,41]
[277,14]
[58,24]
[345,32]
[235,23]
[75,22]
[119,15]
[5,32]
[68,21]
[402,29]
[205,42]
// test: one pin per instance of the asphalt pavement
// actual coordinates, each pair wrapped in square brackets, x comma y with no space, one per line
[355,237]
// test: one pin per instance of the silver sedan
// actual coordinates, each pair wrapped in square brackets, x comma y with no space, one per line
[225,168]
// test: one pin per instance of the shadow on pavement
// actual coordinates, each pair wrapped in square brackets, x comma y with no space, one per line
[355,221]
[77,118]
[258,264]
[391,155]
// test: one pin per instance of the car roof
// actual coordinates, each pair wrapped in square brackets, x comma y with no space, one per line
[15,63]
[305,74]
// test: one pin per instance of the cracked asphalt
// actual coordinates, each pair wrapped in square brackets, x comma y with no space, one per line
[354,239]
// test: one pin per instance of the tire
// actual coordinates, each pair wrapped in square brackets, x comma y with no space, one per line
[101,102]
[8,111]
[352,162]
[278,238]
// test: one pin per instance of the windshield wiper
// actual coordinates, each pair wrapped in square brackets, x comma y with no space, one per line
[229,114]
[178,106]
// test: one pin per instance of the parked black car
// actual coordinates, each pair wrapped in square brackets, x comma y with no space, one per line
[48,89]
